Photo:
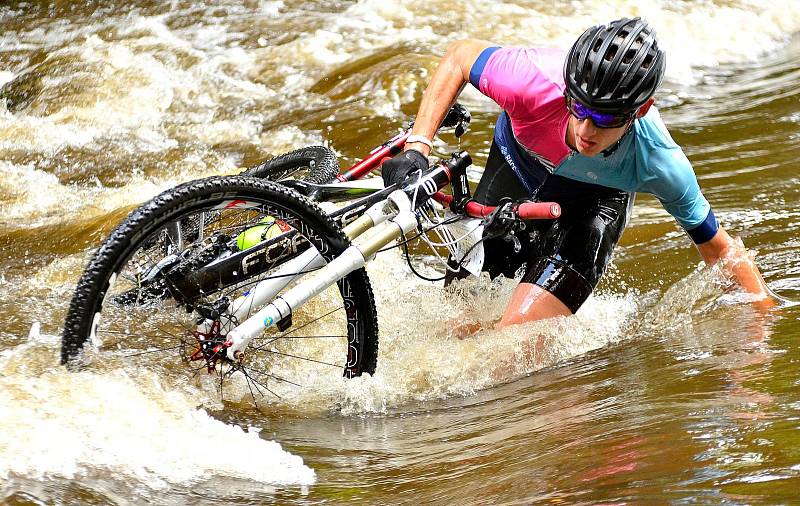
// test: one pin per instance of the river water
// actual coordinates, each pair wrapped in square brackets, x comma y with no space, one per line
[668,386]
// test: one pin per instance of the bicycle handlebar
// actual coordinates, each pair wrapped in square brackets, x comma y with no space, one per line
[459,117]
[539,210]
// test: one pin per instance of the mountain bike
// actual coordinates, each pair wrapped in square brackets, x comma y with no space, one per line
[263,275]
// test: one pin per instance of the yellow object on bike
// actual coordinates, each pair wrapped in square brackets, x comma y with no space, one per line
[269,227]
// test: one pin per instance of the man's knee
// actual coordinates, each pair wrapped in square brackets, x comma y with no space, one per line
[561,280]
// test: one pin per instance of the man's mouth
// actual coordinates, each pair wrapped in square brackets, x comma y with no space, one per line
[585,143]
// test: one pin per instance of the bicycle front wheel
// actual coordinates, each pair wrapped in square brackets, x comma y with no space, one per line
[163,288]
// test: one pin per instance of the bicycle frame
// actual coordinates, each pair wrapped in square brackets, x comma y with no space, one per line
[393,216]
[390,213]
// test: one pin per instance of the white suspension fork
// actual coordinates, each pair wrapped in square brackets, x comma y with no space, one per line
[266,290]
[354,257]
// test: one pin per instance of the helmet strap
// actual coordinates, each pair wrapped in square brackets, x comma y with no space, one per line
[612,148]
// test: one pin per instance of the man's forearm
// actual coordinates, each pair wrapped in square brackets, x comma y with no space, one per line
[439,96]
[735,260]
[449,78]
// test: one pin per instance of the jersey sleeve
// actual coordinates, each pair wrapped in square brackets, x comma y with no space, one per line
[511,77]
[676,187]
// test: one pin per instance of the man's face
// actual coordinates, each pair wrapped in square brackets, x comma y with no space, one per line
[589,140]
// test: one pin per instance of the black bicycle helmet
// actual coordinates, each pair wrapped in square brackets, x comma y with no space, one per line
[616,67]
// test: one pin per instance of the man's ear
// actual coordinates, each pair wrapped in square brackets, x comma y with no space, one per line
[645,107]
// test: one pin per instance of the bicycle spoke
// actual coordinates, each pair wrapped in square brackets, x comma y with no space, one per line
[295,330]
[201,226]
[156,350]
[271,375]
[275,352]
[263,385]
[197,371]
[221,379]
[314,320]
[249,309]
[249,380]
[130,279]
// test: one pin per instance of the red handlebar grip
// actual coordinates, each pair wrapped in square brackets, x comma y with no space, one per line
[539,211]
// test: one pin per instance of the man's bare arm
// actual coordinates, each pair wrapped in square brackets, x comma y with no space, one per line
[446,84]
[736,261]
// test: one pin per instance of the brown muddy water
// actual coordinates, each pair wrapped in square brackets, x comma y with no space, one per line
[668,386]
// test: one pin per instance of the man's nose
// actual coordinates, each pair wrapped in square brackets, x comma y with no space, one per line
[586,128]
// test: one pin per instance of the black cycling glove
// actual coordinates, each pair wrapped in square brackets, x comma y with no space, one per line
[397,169]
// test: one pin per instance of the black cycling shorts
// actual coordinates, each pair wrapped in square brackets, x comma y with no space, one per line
[566,256]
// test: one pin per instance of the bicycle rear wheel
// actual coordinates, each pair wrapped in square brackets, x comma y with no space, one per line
[314,164]
[140,298]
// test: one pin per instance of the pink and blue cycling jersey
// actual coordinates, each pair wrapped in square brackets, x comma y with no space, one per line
[530,133]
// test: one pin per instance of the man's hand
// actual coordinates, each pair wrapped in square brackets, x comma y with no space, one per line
[738,263]
[397,169]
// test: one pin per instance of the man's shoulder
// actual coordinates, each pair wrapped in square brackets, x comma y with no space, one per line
[526,82]
[659,159]
[543,64]
[652,133]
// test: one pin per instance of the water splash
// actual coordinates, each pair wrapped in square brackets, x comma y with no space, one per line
[419,360]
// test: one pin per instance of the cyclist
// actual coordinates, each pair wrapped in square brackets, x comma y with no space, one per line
[578,128]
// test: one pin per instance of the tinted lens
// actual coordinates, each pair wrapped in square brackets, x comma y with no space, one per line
[600,119]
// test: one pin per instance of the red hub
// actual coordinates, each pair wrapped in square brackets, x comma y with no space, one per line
[211,347]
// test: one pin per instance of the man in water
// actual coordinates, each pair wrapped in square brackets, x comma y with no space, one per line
[577,128]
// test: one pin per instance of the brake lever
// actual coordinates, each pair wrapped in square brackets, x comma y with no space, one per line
[503,222]
[458,116]
[502,218]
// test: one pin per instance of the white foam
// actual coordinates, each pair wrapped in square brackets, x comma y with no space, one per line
[5,76]
[131,86]
[695,34]
[271,9]
[59,424]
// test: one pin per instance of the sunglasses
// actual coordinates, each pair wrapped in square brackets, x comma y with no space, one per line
[600,119]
